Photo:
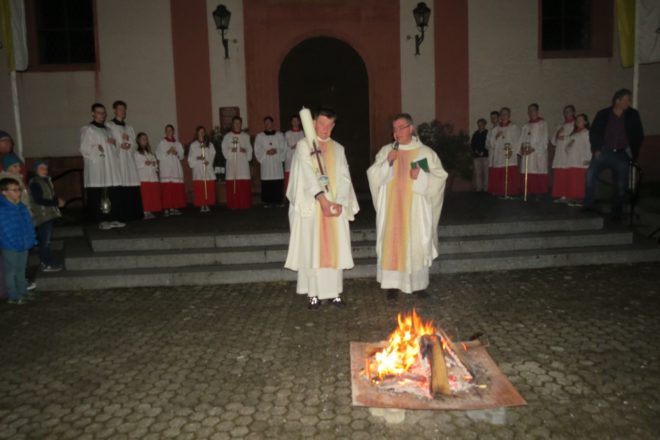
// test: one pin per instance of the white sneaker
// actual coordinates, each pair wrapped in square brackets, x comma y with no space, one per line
[116,224]
[175,212]
[149,216]
[53,268]
[166,213]
[104,226]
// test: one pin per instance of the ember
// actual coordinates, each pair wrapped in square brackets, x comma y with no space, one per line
[419,359]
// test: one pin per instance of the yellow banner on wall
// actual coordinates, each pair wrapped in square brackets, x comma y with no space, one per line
[625,21]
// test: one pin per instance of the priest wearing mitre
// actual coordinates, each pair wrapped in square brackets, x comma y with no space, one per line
[321,203]
[407,183]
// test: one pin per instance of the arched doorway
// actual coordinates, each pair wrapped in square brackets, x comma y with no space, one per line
[323,71]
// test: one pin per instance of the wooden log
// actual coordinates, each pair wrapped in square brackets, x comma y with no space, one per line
[439,378]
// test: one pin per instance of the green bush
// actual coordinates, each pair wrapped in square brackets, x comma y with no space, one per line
[452,148]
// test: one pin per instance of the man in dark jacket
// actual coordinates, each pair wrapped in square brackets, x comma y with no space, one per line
[616,136]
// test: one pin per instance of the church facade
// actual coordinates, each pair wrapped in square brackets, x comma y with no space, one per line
[166,59]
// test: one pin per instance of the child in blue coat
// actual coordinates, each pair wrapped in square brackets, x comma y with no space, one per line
[16,238]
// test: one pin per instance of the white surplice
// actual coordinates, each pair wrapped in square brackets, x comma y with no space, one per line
[560,139]
[238,162]
[128,173]
[170,167]
[147,173]
[292,137]
[101,168]
[536,134]
[271,164]
[199,170]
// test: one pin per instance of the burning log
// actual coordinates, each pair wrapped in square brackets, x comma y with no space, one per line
[420,359]
[439,377]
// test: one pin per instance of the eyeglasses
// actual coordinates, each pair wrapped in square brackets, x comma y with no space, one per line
[17,190]
[397,129]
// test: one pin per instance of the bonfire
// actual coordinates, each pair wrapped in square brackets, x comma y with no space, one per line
[419,358]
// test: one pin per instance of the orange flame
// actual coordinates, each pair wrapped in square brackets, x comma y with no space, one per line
[402,348]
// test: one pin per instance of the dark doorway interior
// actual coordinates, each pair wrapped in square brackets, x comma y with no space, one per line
[325,71]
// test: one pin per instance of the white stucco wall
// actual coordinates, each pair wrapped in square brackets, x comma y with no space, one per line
[135,43]
[228,87]
[136,65]
[505,69]
[417,72]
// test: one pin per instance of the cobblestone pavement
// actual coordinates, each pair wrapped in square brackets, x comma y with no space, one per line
[251,361]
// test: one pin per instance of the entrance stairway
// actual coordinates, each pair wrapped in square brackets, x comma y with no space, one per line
[221,249]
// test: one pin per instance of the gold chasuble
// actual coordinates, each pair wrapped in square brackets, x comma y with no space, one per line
[329,244]
[397,216]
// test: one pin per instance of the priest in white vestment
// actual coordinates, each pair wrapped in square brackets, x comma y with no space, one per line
[322,202]
[407,183]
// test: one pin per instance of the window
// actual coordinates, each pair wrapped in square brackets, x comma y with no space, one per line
[61,34]
[575,28]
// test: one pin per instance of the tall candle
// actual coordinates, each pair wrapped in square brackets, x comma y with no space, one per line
[308,126]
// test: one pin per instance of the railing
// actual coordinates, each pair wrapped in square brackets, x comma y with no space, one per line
[81,181]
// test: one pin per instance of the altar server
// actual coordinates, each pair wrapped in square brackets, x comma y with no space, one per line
[170,154]
[200,158]
[292,136]
[147,166]
[503,178]
[237,150]
[270,150]
[534,153]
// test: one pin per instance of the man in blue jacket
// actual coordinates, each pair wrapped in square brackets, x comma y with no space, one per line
[616,136]
[16,239]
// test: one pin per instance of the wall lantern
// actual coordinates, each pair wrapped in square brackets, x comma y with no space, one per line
[221,16]
[421,14]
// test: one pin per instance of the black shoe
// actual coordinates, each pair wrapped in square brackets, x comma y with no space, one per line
[422,294]
[338,302]
[314,303]
[392,294]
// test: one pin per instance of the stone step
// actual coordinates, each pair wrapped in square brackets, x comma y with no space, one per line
[124,240]
[269,272]
[79,256]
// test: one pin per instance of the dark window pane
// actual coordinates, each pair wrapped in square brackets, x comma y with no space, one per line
[82,47]
[66,31]
[581,8]
[552,35]
[566,25]
[52,14]
[552,8]
[53,46]
[80,14]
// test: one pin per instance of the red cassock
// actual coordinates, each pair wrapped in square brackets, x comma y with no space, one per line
[241,198]
[536,183]
[173,195]
[151,196]
[202,198]
[569,183]
[497,177]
